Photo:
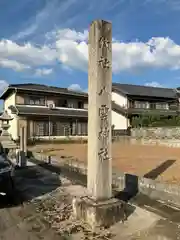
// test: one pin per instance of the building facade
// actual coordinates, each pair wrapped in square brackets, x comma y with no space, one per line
[52,112]
[45,111]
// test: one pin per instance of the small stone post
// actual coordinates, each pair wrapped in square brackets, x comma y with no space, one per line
[25,140]
[22,155]
[99,208]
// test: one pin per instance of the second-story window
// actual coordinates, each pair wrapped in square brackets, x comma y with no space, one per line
[71,105]
[80,105]
[162,106]
[35,100]
[139,104]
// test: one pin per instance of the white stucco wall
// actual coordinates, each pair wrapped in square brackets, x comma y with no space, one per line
[119,99]
[13,130]
[118,120]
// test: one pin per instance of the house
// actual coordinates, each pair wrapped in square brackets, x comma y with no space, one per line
[48,112]
[135,100]
[45,111]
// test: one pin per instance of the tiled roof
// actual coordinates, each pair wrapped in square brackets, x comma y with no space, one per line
[44,88]
[137,90]
[128,89]
[45,111]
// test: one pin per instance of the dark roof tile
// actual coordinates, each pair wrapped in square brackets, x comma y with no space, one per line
[45,88]
[137,90]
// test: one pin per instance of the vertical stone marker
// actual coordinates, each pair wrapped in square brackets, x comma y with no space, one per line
[99,208]
[99,110]
[22,155]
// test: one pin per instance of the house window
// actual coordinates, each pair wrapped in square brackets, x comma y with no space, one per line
[71,105]
[35,100]
[64,103]
[82,128]
[162,106]
[80,105]
[59,129]
[41,128]
[138,104]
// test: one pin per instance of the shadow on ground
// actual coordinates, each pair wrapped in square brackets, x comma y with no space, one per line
[30,182]
[71,173]
[153,174]
[131,181]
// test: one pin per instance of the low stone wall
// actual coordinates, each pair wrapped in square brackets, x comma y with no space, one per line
[162,136]
[127,182]
[172,133]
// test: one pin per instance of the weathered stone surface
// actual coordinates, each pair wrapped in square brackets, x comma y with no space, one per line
[98,214]
[99,110]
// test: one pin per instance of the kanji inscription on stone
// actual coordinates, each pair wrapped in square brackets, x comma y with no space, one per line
[103,114]
[103,154]
[103,111]
[102,91]
[104,43]
[104,62]
[104,136]
[104,131]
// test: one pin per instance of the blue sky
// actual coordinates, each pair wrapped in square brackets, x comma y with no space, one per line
[45,41]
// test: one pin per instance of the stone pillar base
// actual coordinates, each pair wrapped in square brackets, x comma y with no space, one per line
[98,214]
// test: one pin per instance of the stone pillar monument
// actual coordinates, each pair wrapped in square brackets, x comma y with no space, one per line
[99,110]
[99,208]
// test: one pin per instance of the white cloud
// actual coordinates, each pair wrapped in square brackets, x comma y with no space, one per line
[12,64]
[153,84]
[76,87]
[68,34]
[70,48]
[43,71]
[158,52]
[27,53]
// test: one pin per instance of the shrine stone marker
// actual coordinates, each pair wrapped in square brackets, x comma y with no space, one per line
[99,110]
[99,208]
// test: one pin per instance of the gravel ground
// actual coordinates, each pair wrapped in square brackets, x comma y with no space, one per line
[158,162]
[43,211]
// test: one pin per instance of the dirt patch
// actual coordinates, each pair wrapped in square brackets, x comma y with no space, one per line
[156,162]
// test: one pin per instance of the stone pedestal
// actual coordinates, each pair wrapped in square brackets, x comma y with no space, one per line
[98,213]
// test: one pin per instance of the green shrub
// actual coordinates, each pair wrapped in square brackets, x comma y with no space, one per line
[155,121]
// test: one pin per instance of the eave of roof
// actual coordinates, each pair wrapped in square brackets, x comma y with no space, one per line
[45,111]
